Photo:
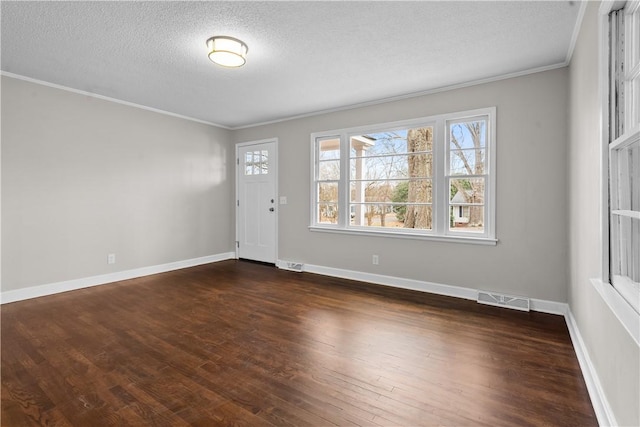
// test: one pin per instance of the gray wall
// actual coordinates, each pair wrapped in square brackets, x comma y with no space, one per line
[83,177]
[615,355]
[531,256]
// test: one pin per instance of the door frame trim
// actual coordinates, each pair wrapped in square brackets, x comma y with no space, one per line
[237,193]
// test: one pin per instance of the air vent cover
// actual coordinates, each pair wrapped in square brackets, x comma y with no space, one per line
[500,300]
[292,266]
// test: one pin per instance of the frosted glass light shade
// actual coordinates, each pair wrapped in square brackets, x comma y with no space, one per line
[227,51]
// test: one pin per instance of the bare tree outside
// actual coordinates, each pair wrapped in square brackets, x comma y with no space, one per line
[385,163]
[420,162]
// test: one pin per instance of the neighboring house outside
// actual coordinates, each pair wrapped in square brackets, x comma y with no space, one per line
[461,212]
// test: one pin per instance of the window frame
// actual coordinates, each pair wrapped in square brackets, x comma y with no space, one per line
[618,304]
[440,201]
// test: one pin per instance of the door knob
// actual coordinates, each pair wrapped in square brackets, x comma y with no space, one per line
[271,209]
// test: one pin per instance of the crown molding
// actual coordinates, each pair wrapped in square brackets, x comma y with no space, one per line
[107,98]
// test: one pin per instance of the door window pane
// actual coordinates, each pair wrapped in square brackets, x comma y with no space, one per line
[256,162]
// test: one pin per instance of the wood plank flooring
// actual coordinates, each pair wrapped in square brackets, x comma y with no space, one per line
[240,343]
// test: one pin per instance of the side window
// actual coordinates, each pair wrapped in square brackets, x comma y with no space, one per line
[624,151]
[327,178]
[467,174]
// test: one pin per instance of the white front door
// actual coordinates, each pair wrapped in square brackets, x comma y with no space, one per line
[256,207]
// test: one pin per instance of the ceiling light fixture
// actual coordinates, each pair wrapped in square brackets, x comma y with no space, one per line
[227,51]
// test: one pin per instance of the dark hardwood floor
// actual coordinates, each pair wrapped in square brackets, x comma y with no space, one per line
[238,343]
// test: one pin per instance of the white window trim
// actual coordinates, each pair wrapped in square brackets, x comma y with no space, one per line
[440,232]
[618,305]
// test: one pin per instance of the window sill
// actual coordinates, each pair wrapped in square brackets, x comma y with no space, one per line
[629,290]
[382,233]
[620,307]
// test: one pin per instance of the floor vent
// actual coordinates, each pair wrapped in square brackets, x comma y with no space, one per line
[500,300]
[293,266]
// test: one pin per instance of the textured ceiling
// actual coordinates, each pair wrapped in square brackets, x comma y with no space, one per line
[304,57]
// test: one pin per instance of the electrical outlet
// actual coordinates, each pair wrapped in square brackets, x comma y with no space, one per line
[111,259]
[375,260]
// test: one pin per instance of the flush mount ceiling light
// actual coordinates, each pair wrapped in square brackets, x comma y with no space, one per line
[227,51]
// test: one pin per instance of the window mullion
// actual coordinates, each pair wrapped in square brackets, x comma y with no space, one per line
[314,181]
[490,171]
[440,198]
[632,64]
[345,184]
[626,213]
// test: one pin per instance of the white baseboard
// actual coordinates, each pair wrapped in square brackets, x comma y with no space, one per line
[543,306]
[70,285]
[396,282]
[551,307]
[599,401]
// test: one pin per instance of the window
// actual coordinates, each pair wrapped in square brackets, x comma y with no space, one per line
[624,151]
[466,173]
[390,183]
[426,178]
[327,179]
